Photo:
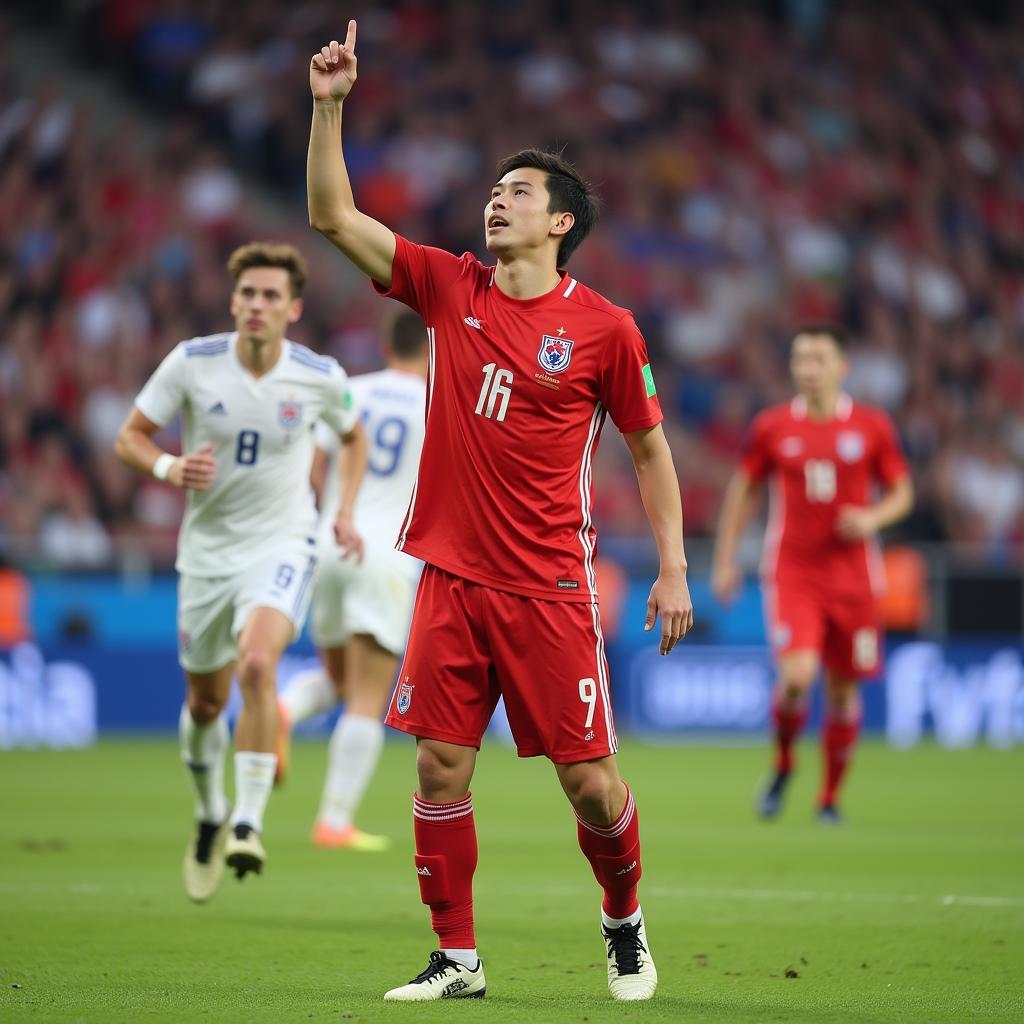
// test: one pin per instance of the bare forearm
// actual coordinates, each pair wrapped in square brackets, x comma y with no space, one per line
[737,507]
[659,492]
[894,505]
[352,469]
[137,450]
[328,188]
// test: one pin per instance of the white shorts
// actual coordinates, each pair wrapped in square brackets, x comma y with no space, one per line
[374,598]
[213,611]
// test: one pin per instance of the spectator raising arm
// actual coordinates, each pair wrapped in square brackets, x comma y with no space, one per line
[332,209]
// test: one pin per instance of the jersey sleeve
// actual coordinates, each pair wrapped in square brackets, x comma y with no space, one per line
[340,410]
[889,464]
[756,456]
[420,274]
[165,393]
[626,384]
[325,437]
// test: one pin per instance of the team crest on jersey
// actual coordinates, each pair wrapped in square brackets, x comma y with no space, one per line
[554,353]
[850,445]
[404,698]
[289,414]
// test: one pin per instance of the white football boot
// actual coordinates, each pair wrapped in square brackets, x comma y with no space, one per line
[244,852]
[631,971]
[203,867]
[442,979]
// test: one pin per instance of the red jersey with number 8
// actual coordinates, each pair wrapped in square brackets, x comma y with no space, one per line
[517,394]
[816,467]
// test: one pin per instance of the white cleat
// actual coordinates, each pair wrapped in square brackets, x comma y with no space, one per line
[203,867]
[631,972]
[443,979]
[244,852]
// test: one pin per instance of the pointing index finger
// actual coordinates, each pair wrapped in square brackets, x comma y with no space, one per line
[350,39]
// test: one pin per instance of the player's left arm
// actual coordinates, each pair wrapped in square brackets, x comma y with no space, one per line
[352,468]
[659,491]
[853,522]
[857,522]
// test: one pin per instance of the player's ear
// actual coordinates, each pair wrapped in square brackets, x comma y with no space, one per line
[295,311]
[563,223]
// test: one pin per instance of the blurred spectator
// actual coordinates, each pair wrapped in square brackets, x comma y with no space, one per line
[761,165]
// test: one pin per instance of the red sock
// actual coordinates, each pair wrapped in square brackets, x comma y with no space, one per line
[614,854]
[446,854]
[789,723]
[837,742]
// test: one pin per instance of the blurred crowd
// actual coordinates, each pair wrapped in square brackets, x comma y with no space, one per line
[761,165]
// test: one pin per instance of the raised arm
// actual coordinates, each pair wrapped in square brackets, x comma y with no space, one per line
[737,508]
[332,209]
[659,491]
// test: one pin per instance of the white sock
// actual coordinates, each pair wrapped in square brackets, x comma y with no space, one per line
[307,694]
[203,748]
[254,779]
[466,957]
[352,756]
[618,922]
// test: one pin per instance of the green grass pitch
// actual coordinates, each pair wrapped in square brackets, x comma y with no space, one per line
[912,912]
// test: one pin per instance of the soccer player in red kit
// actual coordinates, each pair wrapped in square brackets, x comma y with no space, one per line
[826,456]
[525,363]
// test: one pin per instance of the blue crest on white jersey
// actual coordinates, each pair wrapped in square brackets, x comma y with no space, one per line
[289,413]
[554,353]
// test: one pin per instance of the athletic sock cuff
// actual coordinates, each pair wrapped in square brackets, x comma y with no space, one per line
[440,813]
[617,827]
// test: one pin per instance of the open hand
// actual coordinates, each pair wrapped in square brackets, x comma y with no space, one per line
[670,598]
[332,71]
[854,522]
[350,542]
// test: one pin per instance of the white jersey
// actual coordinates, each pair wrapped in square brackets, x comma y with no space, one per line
[392,404]
[261,429]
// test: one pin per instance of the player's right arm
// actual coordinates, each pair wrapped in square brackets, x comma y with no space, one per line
[737,508]
[135,447]
[156,404]
[332,209]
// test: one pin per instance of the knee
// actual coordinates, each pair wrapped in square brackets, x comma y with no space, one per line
[793,687]
[595,795]
[203,708]
[441,779]
[844,702]
[256,667]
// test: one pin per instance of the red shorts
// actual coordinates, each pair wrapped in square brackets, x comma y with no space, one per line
[470,645]
[845,630]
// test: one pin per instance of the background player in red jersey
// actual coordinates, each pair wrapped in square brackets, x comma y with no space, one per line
[821,574]
[524,363]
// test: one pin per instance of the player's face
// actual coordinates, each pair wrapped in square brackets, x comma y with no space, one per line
[517,219]
[262,304]
[817,364]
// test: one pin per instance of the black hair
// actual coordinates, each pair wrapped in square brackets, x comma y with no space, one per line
[567,193]
[407,335]
[830,330]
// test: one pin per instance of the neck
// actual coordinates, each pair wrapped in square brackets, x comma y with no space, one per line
[417,367]
[259,355]
[525,278]
[822,407]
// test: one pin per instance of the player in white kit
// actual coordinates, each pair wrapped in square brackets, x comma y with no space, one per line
[361,613]
[247,556]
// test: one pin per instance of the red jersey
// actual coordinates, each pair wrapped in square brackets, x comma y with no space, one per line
[816,467]
[517,394]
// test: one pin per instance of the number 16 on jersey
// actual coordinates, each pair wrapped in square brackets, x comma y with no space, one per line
[495,391]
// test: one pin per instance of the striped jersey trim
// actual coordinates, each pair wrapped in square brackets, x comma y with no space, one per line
[568,291]
[442,812]
[616,828]
[214,346]
[303,356]
[407,522]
